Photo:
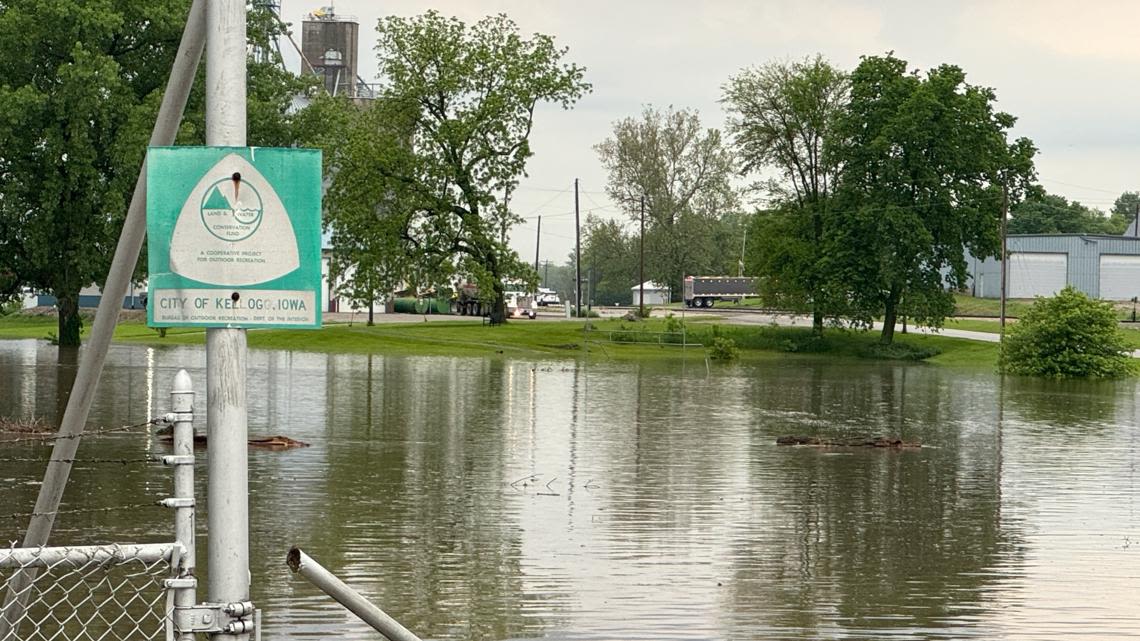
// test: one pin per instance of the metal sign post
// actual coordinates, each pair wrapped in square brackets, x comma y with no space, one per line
[234,243]
[227,496]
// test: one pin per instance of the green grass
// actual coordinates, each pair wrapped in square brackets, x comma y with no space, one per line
[543,339]
[21,326]
[976,324]
[1131,331]
[989,307]
[1014,308]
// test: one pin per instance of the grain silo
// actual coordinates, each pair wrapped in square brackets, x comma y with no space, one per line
[329,43]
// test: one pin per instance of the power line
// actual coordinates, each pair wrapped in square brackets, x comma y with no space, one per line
[552,199]
[1061,182]
[557,189]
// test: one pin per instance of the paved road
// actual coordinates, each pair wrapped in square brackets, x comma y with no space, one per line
[725,315]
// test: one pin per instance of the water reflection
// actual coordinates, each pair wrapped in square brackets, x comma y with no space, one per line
[494,499]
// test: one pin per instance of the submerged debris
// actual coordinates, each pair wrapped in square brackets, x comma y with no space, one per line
[277,443]
[15,428]
[858,441]
[267,442]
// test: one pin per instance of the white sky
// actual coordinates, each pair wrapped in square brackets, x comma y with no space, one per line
[1069,71]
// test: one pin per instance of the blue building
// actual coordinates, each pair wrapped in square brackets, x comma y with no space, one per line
[1106,267]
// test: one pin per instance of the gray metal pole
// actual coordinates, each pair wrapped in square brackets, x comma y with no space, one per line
[118,280]
[226,429]
[182,408]
[380,621]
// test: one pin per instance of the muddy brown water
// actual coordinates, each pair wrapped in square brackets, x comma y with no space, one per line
[509,499]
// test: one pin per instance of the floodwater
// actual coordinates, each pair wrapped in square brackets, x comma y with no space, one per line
[507,499]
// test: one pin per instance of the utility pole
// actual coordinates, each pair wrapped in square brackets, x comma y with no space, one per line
[546,273]
[1004,257]
[743,244]
[577,256]
[226,419]
[590,286]
[537,242]
[641,265]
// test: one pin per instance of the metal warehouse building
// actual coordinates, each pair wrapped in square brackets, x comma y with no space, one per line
[1105,267]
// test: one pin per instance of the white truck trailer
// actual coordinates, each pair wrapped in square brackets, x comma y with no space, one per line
[704,291]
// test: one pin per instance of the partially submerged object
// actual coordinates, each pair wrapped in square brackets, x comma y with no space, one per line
[277,442]
[858,441]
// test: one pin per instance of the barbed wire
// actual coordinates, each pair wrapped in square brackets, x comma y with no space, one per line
[93,433]
[89,510]
[120,461]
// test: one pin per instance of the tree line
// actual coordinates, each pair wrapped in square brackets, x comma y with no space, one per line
[852,195]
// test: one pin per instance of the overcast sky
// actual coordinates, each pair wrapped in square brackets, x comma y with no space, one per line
[1069,71]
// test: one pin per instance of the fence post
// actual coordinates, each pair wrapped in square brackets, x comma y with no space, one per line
[182,420]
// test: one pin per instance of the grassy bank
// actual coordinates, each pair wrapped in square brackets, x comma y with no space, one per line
[551,339]
[1131,330]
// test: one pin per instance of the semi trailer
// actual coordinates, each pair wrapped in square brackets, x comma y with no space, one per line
[704,291]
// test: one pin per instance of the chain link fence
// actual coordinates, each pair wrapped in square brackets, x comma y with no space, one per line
[94,593]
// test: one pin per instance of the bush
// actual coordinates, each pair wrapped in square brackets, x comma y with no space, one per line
[723,349]
[1067,336]
[673,325]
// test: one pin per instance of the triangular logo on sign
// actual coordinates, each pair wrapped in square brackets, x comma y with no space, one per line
[233,229]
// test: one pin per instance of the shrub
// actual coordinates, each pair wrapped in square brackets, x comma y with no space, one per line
[673,324]
[723,349]
[11,307]
[1067,336]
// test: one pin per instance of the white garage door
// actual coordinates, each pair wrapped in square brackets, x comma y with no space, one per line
[1037,274]
[1119,277]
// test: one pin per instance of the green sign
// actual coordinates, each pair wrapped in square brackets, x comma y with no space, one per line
[233,237]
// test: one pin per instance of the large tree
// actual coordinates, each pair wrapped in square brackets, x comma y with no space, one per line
[81,86]
[1124,210]
[78,79]
[427,169]
[924,162]
[684,173]
[780,115]
[1045,213]
[609,261]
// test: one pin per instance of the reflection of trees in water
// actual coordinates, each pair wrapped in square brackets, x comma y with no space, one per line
[416,515]
[801,397]
[868,539]
[1070,407]
[663,448]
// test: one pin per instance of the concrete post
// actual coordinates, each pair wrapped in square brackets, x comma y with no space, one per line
[228,480]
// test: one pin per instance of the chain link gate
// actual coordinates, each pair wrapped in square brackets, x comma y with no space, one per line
[122,592]
[96,593]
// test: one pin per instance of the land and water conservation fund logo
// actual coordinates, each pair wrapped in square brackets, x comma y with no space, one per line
[232,228]
[232,209]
